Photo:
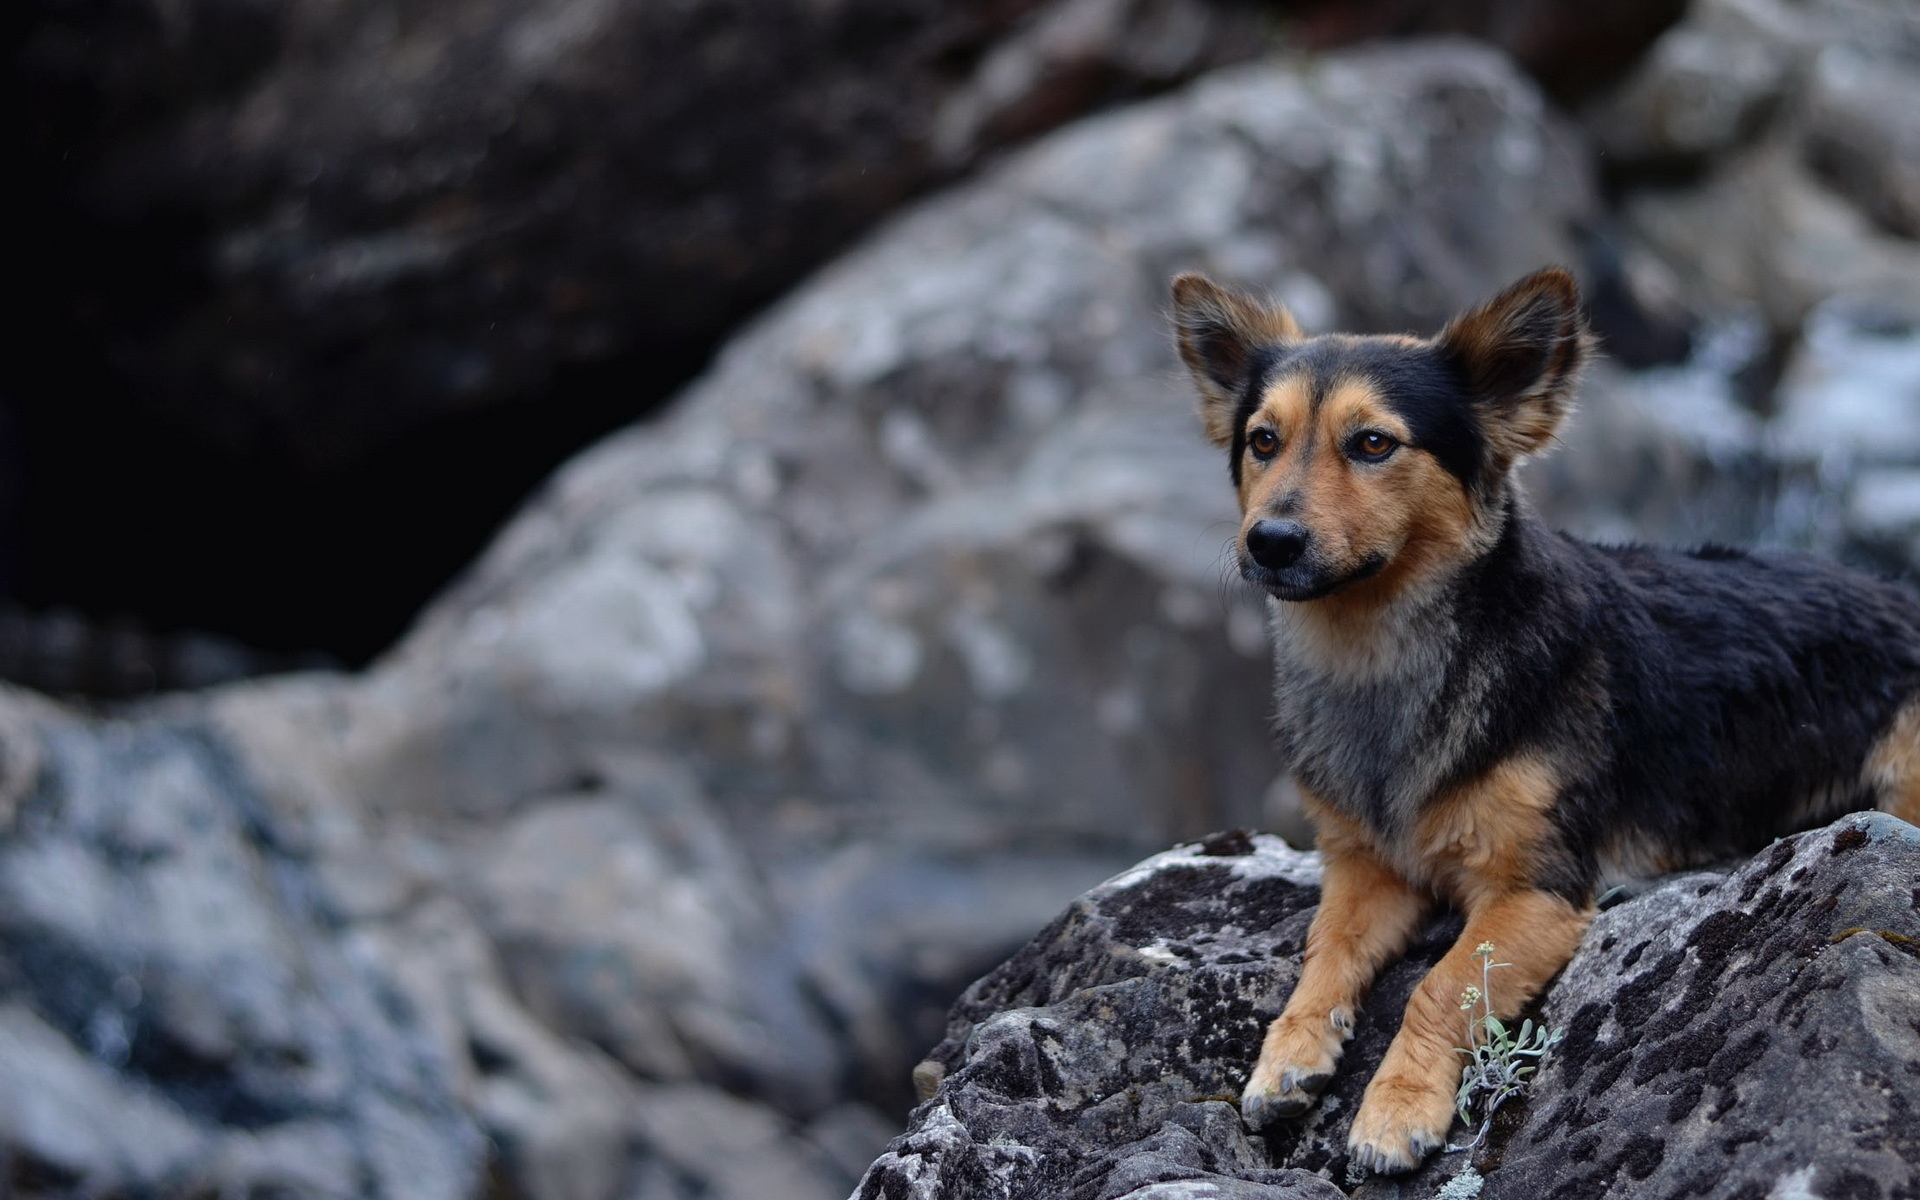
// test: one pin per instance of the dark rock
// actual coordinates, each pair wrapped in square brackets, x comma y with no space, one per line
[1722,1032]
[1570,48]
[301,254]
[377,220]
[1763,1027]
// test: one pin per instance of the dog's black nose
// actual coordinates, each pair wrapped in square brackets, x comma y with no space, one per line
[1276,545]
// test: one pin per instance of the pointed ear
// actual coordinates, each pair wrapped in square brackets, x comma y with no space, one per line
[1521,355]
[1219,331]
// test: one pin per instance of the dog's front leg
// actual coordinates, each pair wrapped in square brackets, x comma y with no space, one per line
[1367,915]
[1409,1104]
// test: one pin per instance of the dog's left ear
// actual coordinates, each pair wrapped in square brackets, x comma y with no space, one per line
[1521,355]
[1220,331]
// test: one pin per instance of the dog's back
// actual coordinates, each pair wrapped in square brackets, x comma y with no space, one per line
[1751,695]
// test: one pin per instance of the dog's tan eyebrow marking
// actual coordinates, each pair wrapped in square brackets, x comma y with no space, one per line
[1357,404]
[1288,405]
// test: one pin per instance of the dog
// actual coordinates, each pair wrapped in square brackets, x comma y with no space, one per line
[1484,712]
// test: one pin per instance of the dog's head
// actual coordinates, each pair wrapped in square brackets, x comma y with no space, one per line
[1365,464]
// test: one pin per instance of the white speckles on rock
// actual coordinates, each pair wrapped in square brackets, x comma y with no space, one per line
[875,655]
[607,633]
[997,663]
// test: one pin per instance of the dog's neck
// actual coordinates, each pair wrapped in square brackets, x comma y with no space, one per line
[1386,630]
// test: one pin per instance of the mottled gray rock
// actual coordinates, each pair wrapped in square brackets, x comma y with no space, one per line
[769,725]
[1797,121]
[175,1011]
[1863,132]
[1119,1038]
[1723,1033]
[1708,85]
[1737,1035]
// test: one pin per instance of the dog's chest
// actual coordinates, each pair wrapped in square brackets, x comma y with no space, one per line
[1374,744]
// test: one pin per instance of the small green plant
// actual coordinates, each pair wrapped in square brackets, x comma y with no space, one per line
[1499,1060]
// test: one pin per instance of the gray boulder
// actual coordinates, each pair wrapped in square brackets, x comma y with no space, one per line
[672,829]
[1726,1035]
[1770,153]
[177,1012]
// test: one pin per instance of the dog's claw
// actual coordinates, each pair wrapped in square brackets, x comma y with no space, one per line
[1381,1161]
[1394,1153]
[1261,1109]
[1296,1094]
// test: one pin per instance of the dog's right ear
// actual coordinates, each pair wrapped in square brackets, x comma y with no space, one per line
[1219,332]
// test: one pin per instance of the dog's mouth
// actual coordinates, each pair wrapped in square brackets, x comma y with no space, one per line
[1308,581]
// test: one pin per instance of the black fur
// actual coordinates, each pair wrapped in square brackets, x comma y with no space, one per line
[1708,699]
[1421,384]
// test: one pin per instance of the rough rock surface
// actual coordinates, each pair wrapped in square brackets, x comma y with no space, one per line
[674,827]
[1726,1035]
[176,1012]
[1795,130]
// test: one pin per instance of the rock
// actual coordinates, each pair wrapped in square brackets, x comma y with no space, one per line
[1723,1032]
[1863,136]
[1571,49]
[1737,1032]
[769,724]
[386,222]
[292,252]
[1762,233]
[1770,154]
[175,1012]
[1707,86]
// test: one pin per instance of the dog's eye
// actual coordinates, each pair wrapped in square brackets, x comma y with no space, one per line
[1265,443]
[1373,444]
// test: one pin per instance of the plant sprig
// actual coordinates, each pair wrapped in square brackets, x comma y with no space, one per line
[1499,1060]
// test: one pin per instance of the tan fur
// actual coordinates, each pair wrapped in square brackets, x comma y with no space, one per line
[1409,1102]
[1367,915]
[1893,769]
[1483,839]
[1473,845]
[1408,509]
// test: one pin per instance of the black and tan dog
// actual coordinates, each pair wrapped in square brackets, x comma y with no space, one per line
[1484,712]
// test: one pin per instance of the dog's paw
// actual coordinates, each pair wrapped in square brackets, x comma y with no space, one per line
[1400,1122]
[1296,1064]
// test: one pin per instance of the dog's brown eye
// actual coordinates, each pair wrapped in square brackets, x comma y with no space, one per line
[1374,444]
[1264,442]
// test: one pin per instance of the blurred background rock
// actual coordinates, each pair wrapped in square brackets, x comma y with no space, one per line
[634,845]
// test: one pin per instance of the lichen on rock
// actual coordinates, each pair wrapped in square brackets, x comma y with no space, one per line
[1722,1031]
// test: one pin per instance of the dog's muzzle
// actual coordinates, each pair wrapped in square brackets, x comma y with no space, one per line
[1280,556]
